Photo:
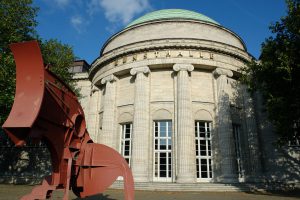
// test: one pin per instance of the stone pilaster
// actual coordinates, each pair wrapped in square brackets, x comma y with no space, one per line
[140,140]
[224,127]
[185,131]
[108,132]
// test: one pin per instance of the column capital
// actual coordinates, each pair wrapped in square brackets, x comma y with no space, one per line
[109,78]
[183,67]
[137,70]
[220,71]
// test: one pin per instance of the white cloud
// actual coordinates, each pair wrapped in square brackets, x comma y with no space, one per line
[119,10]
[78,23]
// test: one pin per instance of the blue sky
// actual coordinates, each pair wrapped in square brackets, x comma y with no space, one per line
[87,24]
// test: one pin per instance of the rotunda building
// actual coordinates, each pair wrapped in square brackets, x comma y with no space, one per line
[164,93]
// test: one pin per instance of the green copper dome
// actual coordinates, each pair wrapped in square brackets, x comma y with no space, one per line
[172,14]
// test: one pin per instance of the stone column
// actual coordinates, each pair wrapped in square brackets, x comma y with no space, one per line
[140,138]
[185,130]
[253,140]
[93,114]
[224,127]
[108,124]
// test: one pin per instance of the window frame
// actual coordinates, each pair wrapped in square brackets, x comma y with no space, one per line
[236,132]
[168,151]
[123,140]
[208,157]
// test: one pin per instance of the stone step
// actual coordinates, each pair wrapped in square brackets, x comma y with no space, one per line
[186,187]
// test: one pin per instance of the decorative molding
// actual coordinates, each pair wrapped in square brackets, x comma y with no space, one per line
[220,71]
[109,78]
[169,49]
[93,90]
[144,69]
[183,67]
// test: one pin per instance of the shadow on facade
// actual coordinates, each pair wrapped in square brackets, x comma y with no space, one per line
[263,165]
[266,165]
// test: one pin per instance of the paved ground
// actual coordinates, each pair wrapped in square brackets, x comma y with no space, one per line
[12,192]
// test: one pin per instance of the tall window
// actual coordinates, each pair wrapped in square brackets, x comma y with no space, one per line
[163,150]
[126,133]
[203,150]
[238,151]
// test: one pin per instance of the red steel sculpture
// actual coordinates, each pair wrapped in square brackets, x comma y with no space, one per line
[45,108]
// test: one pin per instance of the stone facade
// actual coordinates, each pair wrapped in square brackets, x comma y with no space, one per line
[175,82]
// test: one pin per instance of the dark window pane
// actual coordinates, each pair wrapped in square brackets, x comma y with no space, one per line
[202,129]
[126,153]
[162,174]
[202,143]
[203,161]
[156,129]
[203,148]
[156,144]
[208,134]
[203,153]
[202,124]
[204,174]
[163,167]
[163,161]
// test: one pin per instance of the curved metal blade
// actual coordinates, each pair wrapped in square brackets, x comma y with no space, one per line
[29,89]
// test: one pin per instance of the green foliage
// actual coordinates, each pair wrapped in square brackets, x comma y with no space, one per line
[277,74]
[18,23]
[59,57]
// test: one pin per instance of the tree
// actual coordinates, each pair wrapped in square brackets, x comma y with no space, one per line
[59,57]
[18,23]
[277,74]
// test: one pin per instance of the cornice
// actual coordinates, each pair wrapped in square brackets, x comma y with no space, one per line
[164,45]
